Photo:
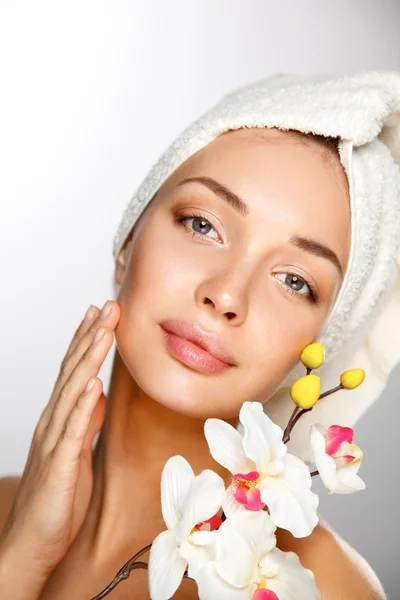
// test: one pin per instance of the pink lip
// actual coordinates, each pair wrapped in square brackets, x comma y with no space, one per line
[195,347]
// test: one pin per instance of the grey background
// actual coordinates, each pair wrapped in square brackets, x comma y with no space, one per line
[91,93]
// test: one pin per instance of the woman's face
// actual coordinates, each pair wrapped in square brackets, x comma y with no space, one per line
[260,278]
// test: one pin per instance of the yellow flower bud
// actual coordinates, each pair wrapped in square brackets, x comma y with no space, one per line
[306,391]
[313,355]
[352,379]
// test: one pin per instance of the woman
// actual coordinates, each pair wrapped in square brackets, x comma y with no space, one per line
[268,213]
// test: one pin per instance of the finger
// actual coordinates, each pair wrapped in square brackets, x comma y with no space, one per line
[70,442]
[91,315]
[89,318]
[108,319]
[96,423]
[88,366]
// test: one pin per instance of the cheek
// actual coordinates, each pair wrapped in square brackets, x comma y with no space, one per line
[274,348]
[161,282]
[155,270]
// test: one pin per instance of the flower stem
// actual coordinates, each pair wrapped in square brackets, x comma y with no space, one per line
[332,391]
[124,572]
[289,427]
[297,415]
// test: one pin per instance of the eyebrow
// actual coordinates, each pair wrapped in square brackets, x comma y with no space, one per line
[223,192]
[307,244]
[318,249]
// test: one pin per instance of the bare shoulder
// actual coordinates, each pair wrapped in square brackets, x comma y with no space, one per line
[340,571]
[8,489]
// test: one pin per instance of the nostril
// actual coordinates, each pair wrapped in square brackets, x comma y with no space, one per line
[230,315]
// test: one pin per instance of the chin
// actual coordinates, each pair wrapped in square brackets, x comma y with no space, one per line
[180,388]
[174,385]
[184,390]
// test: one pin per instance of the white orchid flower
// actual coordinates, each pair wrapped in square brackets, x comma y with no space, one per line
[337,458]
[248,566]
[189,505]
[264,473]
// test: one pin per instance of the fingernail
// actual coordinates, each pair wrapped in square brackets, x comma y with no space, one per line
[89,314]
[106,309]
[99,335]
[89,384]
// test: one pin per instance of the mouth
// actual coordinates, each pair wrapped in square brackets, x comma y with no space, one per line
[195,347]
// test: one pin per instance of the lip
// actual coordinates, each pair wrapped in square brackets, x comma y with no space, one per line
[195,347]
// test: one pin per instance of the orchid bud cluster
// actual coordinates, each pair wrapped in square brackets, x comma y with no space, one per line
[224,539]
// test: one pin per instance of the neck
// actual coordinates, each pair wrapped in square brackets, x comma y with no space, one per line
[138,436]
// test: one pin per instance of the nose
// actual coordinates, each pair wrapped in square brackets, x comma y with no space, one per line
[226,296]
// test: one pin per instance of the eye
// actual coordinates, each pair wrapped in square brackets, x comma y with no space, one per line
[298,286]
[200,226]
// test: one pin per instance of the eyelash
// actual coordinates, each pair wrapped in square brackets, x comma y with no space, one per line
[311,297]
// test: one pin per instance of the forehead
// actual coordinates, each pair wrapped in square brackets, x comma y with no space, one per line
[294,185]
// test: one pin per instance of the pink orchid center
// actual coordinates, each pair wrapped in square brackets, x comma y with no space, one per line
[265,595]
[339,445]
[245,490]
[342,461]
[209,525]
[335,437]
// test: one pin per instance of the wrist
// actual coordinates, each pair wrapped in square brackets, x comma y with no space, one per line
[21,578]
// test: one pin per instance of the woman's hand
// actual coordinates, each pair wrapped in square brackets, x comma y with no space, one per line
[56,485]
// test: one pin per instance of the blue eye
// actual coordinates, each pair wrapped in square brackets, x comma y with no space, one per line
[200,226]
[298,286]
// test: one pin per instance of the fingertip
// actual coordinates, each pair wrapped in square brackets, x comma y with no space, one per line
[90,315]
[90,384]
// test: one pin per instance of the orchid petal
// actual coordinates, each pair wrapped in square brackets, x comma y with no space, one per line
[203,501]
[230,504]
[325,464]
[211,586]
[203,538]
[213,523]
[264,594]
[356,452]
[176,479]
[318,435]
[268,566]
[292,504]
[349,480]
[335,436]
[225,444]
[262,440]
[166,567]
[196,556]
[240,543]
[293,581]
[327,470]
[250,499]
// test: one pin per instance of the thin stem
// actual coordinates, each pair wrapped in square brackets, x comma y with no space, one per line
[124,572]
[288,429]
[289,426]
[336,389]
[297,415]
[301,413]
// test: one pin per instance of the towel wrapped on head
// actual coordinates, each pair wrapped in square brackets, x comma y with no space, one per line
[362,330]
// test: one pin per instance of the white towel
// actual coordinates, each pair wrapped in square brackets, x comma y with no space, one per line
[363,328]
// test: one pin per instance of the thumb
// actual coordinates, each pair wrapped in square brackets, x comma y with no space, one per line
[96,423]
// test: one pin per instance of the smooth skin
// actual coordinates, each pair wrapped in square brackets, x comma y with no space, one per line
[53,494]
[105,505]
